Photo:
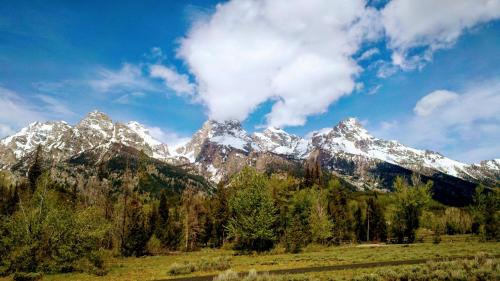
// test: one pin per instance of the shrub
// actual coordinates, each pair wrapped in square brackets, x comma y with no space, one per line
[154,246]
[219,263]
[27,276]
[181,268]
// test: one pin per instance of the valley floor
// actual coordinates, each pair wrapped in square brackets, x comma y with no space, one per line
[205,261]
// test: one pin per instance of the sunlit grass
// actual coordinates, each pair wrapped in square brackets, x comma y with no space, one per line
[157,267]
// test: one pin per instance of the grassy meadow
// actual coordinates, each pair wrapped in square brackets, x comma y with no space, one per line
[215,261]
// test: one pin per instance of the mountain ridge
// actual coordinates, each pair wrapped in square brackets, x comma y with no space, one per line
[218,147]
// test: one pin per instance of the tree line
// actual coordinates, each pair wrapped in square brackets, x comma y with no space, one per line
[49,226]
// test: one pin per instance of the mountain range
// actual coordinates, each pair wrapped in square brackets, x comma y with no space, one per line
[219,149]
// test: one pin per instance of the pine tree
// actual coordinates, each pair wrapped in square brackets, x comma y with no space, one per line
[163,212]
[136,233]
[359,227]
[375,221]
[162,230]
[35,170]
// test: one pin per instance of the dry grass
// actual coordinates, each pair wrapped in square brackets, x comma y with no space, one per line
[157,267]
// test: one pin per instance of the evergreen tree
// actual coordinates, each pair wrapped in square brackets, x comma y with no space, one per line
[136,233]
[486,210]
[359,227]
[376,225]
[220,216]
[35,170]
[163,219]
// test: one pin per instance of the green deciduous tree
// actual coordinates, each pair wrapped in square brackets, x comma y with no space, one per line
[410,202]
[253,214]
[45,234]
[298,231]
[339,212]
[321,225]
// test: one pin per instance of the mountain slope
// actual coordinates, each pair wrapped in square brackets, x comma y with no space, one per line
[220,149]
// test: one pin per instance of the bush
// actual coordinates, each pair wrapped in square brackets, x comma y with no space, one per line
[27,276]
[219,263]
[181,268]
[154,246]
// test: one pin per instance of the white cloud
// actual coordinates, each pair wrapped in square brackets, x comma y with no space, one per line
[55,106]
[431,24]
[175,81]
[368,54]
[130,98]
[128,78]
[17,111]
[297,53]
[465,126]
[172,139]
[155,54]
[429,103]
[374,90]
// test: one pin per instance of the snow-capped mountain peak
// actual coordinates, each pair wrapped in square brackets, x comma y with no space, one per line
[62,141]
[278,141]
[143,132]
[217,142]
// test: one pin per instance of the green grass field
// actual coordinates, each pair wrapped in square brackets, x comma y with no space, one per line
[157,267]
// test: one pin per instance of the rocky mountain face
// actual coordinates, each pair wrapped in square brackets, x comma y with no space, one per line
[61,141]
[220,149]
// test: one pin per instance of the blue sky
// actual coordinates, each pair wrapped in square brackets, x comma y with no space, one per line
[429,82]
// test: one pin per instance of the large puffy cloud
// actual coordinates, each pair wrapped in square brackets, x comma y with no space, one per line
[465,125]
[431,24]
[296,53]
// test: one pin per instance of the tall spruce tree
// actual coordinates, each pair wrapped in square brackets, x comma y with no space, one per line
[376,226]
[359,227]
[35,170]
